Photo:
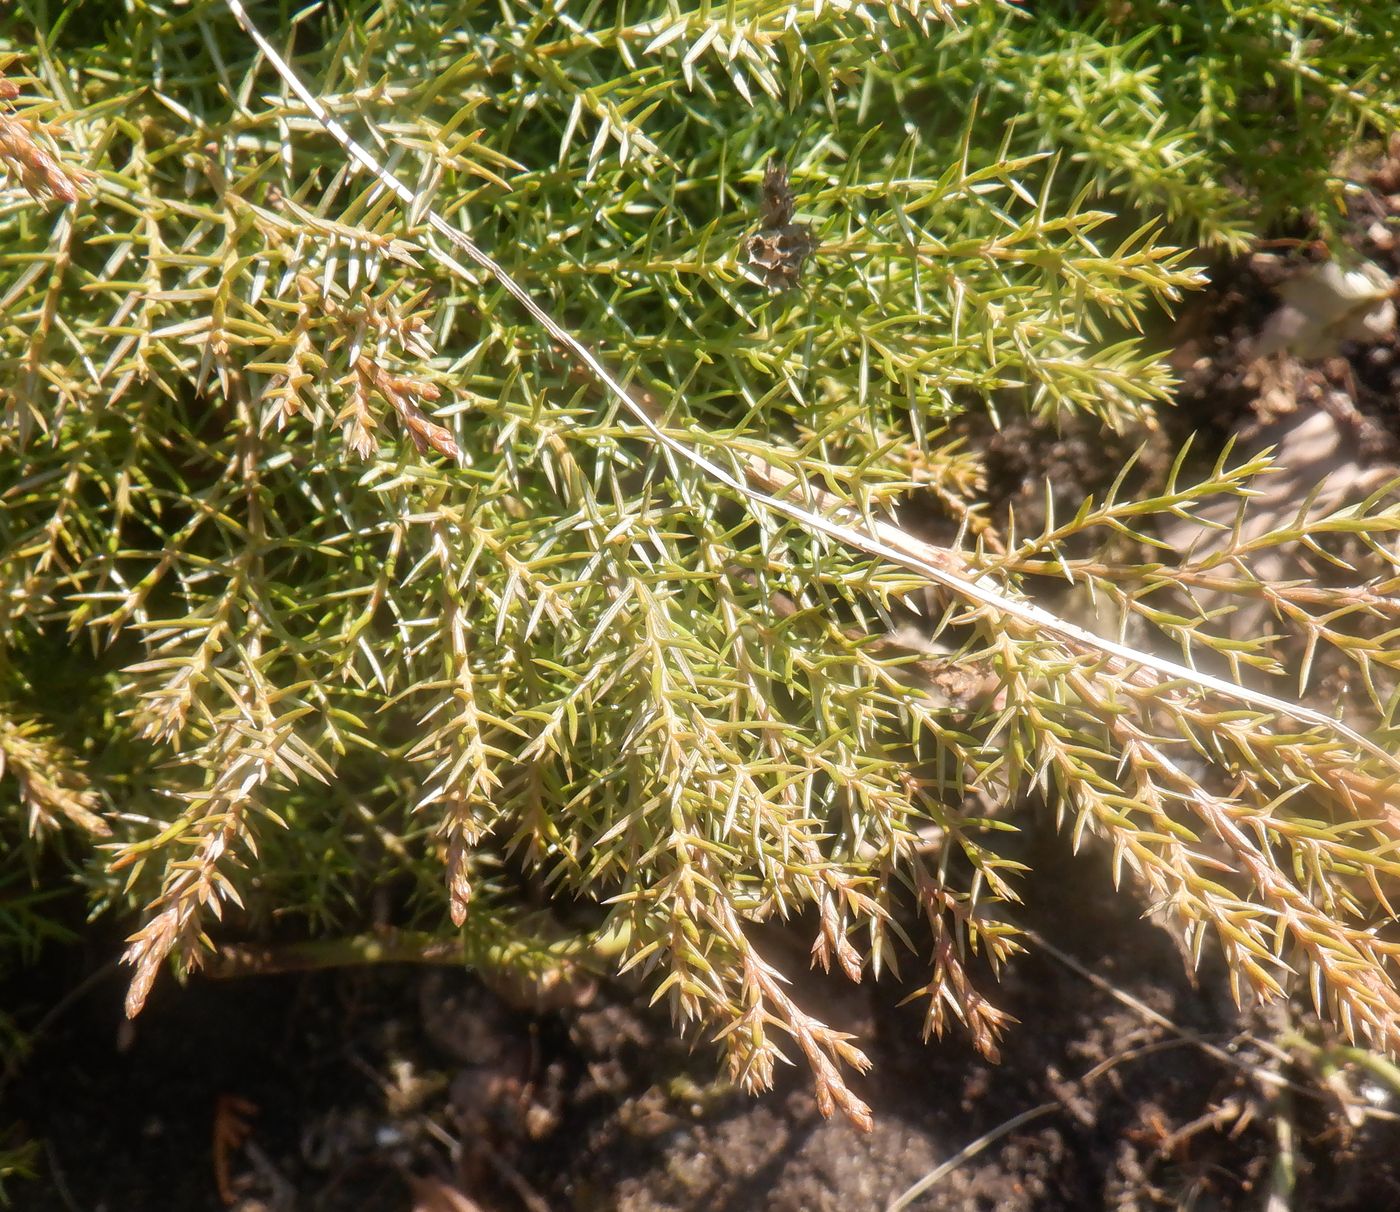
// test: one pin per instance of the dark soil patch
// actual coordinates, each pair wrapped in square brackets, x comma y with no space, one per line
[371,1089]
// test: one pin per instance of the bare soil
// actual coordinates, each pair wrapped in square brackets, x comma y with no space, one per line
[403,1088]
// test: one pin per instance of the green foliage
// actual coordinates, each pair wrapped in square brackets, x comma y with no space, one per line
[384,585]
[20,1162]
[1219,116]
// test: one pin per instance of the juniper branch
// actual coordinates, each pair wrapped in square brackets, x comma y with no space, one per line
[683,700]
[1023,611]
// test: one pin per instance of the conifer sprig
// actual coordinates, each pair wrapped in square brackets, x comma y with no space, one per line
[401,588]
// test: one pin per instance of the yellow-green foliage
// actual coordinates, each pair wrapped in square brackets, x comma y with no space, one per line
[324,568]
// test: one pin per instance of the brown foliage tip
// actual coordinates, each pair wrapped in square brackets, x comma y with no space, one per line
[821,1046]
[51,785]
[459,886]
[400,391]
[195,886]
[38,170]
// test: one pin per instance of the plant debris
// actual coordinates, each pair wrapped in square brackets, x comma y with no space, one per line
[782,247]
